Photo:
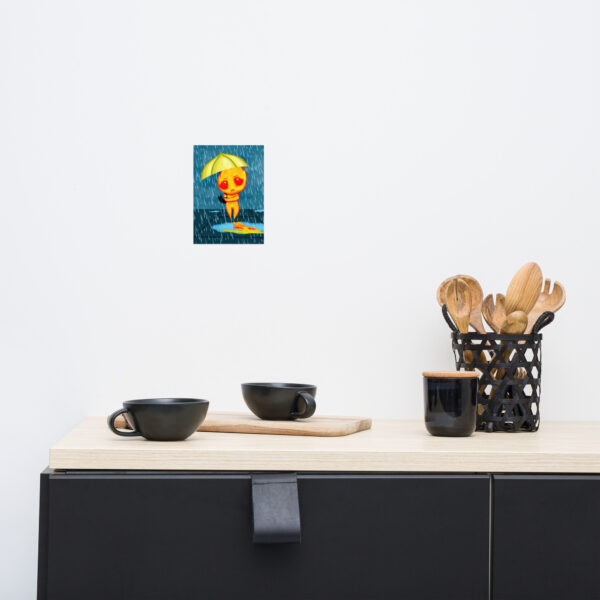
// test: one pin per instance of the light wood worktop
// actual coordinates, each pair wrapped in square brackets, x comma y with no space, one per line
[390,445]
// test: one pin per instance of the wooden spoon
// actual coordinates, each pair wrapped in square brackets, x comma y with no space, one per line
[458,301]
[476,298]
[494,315]
[515,323]
[547,301]
[524,289]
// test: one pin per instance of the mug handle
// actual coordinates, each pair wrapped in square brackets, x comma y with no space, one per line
[310,408]
[111,424]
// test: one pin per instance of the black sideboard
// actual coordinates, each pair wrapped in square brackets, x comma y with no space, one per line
[171,535]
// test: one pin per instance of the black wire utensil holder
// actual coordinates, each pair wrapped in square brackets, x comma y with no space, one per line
[510,367]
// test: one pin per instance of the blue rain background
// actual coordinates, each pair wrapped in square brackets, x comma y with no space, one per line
[208,211]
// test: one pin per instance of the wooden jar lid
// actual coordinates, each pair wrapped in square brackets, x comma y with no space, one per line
[451,374]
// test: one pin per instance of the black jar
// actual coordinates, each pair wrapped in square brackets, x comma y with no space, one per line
[450,402]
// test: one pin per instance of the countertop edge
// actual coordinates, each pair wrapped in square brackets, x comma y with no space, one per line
[365,461]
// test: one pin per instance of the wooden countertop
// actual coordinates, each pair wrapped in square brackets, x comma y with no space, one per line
[390,445]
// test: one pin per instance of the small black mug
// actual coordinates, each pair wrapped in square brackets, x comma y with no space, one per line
[450,402]
[161,419]
[280,401]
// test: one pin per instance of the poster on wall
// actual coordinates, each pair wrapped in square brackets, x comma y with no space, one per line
[229,194]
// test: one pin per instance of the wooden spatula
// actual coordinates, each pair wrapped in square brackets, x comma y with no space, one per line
[547,300]
[458,301]
[524,289]
[494,314]
[476,298]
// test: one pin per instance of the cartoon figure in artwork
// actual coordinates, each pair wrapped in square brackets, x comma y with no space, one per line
[231,182]
[231,179]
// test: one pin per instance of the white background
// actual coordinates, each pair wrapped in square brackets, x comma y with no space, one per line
[404,142]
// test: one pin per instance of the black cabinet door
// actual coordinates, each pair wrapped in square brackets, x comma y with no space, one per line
[172,536]
[546,537]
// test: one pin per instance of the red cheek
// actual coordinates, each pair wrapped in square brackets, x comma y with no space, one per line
[224,184]
[238,180]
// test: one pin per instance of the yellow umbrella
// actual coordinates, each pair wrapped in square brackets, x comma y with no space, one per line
[220,163]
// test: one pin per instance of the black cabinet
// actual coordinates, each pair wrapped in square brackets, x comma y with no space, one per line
[546,537]
[171,536]
[175,535]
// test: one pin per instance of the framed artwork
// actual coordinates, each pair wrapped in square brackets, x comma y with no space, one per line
[229,194]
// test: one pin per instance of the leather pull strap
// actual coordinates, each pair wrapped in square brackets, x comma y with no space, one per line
[275,507]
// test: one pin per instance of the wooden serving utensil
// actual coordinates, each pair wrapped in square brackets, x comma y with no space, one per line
[476,298]
[547,300]
[494,314]
[458,302]
[521,373]
[524,289]
[515,323]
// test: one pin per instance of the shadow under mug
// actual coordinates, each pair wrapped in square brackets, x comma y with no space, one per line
[161,419]
[280,401]
[450,402]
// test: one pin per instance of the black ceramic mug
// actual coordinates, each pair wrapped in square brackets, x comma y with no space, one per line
[163,419]
[280,401]
[450,402]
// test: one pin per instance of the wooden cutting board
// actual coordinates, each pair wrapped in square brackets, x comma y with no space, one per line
[226,422]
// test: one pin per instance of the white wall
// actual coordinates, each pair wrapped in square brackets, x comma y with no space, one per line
[443,137]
